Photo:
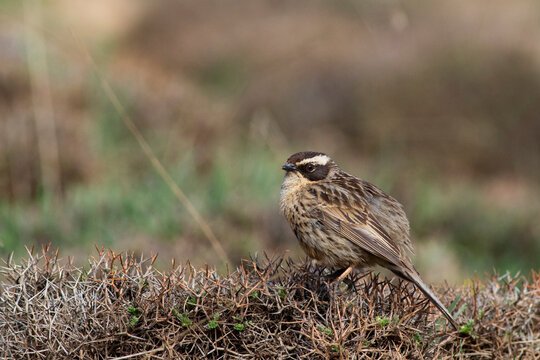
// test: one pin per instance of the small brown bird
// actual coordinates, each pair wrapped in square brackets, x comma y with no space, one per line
[344,222]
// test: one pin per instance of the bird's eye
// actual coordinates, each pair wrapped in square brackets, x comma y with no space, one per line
[310,167]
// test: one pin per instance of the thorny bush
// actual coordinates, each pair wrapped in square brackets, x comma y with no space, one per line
[123,307]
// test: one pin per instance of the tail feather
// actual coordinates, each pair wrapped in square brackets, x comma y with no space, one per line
[415,278]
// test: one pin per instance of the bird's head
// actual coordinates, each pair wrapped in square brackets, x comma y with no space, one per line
[310,165]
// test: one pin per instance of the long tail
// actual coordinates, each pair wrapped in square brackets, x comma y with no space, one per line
[413,277]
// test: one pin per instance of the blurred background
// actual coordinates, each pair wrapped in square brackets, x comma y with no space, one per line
[436,103]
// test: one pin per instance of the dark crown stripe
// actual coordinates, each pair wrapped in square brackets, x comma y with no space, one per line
[293,159]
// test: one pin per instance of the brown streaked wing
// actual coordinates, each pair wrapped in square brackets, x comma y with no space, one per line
[352,222]
[390,215]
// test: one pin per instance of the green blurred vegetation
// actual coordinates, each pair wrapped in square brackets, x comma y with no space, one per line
[437,109]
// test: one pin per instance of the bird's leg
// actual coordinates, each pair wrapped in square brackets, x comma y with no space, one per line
[341,275]
[336,274]
[345,273]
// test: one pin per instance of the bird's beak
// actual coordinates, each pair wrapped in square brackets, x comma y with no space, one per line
[289,167]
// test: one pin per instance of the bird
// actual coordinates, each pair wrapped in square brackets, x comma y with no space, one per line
[344,222]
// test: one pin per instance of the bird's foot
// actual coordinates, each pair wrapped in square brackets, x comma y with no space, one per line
[341,275]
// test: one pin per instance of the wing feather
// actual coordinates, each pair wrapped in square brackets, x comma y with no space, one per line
[369,236]
[341,211]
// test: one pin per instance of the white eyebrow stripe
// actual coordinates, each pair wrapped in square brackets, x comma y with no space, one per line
[319,160]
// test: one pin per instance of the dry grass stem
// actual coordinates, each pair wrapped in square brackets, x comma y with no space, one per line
[121,307]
